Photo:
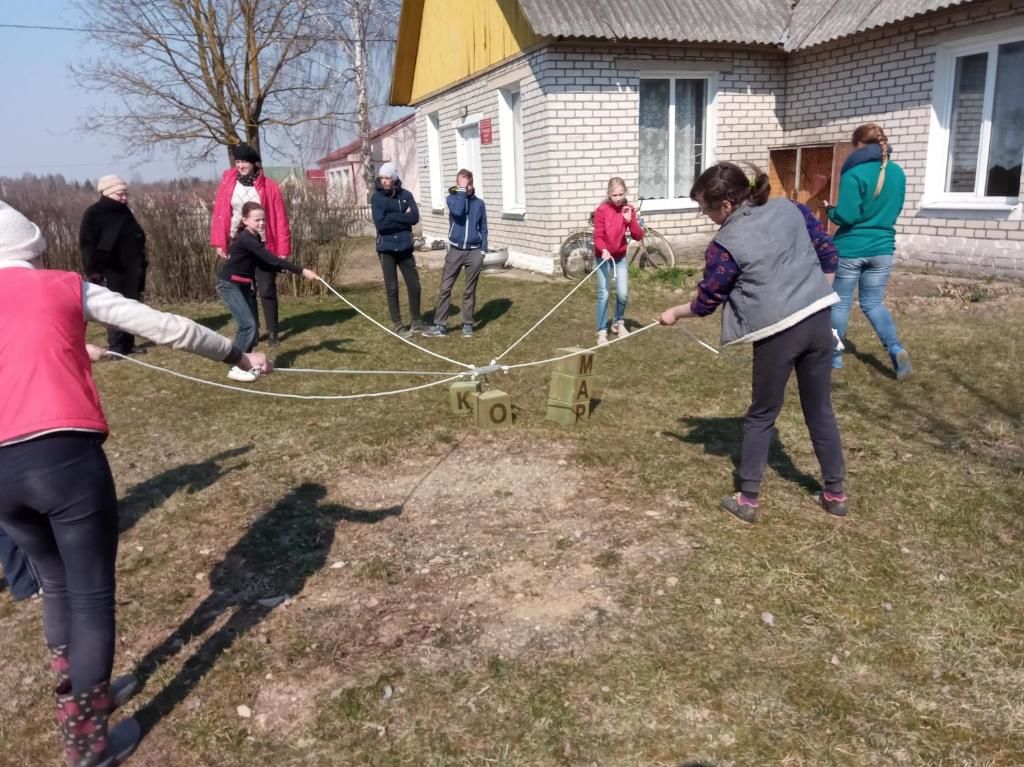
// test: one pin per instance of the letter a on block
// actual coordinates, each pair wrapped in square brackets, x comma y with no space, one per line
[582,393]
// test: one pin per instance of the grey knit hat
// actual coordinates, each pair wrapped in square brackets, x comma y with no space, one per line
[388,170]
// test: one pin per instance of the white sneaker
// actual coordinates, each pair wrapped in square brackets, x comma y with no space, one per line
[602,337]
[619,328]
[237,374]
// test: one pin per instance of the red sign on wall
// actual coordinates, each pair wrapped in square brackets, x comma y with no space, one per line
[486,133]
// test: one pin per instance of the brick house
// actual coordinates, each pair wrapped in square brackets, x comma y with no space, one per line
[546,99]
[394,142]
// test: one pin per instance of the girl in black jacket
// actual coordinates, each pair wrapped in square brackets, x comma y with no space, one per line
[234,280]
[394,215]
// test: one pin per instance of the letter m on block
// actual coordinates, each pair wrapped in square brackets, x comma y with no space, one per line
[586,364]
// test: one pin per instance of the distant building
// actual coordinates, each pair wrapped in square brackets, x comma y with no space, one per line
[394,142]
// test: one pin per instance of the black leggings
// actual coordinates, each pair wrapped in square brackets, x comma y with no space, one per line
[807,348]
[59,504]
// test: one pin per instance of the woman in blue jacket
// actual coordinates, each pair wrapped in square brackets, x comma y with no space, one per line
[394,215]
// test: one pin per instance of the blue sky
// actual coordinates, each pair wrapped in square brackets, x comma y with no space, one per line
[41,104]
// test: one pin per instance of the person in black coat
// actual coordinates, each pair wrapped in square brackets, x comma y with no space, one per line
[394,215]
[113,249]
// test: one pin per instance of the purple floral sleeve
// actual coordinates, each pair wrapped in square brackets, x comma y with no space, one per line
[720,274]
[823,245]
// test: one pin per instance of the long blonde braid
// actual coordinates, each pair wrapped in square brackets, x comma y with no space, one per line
[872,133]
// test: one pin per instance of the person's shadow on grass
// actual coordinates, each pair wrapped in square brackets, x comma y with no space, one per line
[193,477]
[491,311]
[337,345]
[272,561]
[724,436]
[299,323]
[870,360]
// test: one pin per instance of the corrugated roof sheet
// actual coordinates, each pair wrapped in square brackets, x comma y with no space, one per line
[817,21]
[695,21]
[769,22]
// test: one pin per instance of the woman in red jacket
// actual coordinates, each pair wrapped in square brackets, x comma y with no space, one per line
[611,220]
[58,502]
[239,185]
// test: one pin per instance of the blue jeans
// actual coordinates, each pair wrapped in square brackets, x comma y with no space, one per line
[868,276]
[239,300]
[18,572]
[604,270]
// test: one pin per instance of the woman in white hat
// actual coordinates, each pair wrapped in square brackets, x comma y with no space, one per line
[58,501]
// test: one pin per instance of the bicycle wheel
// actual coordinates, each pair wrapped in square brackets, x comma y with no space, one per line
[653,252]
[577,254]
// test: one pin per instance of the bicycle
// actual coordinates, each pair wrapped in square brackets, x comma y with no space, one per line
[577,258]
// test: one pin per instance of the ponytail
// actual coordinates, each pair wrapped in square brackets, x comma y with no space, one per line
[728,181]
[872,133]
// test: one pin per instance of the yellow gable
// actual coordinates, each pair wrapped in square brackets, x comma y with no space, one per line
[441,42]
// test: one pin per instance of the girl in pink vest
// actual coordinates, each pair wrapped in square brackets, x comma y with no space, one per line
[57,496]
[244,183]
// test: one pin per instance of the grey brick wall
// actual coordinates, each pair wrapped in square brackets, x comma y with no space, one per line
[580,120]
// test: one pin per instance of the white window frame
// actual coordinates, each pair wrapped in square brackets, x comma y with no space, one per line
[462,150]
[513,178]
[710,131]
[946,55]
[434,161]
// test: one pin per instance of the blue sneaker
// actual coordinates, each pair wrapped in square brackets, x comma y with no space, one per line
[467,330]
[901,362]
[436,331]
[837,360]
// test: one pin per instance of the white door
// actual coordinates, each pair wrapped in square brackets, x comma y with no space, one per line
[467,152]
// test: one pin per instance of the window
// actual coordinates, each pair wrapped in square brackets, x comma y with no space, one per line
[434,161]
[510,111]
[676,122]
[977,141]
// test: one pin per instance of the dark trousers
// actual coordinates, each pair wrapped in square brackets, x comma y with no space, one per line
[128,286]
[21,578]
[59,506]
[241,302]
[266,288]
[807,347]
[391,264]
[454,262]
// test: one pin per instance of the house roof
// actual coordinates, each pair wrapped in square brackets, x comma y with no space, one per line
[728,21]
[350,148]
[768,22]
[818,21]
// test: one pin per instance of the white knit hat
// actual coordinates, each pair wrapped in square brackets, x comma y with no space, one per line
[108,185]
[388,170]
[20,239]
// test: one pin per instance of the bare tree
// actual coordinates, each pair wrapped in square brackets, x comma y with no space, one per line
[365,32]
[203,74]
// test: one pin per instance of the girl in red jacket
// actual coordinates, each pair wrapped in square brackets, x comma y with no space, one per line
[247,183]
[611,220]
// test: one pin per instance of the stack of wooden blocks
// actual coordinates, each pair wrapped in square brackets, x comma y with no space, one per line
[569,395]
[490,409]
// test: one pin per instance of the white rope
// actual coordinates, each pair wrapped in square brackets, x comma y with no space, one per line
[368,372]
[283,395]
[583,351]
[688,332]
[391,332]
[537,324]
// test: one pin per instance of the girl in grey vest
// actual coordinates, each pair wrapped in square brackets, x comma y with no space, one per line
[771,264]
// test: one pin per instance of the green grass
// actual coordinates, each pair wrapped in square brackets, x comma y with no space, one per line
[546,595]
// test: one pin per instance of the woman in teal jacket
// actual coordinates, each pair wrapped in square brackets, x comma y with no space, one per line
[871,194]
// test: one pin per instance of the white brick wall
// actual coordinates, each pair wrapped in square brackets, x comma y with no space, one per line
[580,121]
